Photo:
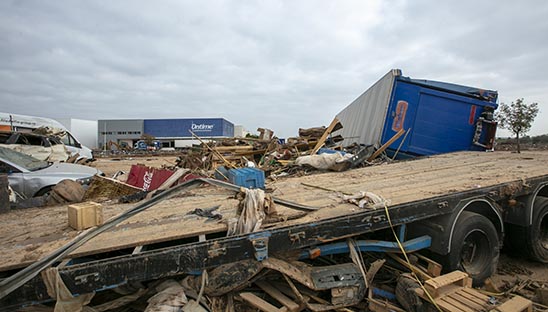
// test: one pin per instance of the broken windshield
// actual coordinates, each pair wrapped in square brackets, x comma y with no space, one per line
[22,160]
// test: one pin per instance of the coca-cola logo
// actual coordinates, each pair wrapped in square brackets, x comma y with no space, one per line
[201,127]
[147,180]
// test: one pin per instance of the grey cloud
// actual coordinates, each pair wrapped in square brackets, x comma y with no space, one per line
[276,64]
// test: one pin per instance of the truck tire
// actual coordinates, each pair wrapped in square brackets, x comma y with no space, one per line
[406,295]
[537,234]
[474,247]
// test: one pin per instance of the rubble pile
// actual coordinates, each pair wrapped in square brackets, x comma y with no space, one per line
[362,273]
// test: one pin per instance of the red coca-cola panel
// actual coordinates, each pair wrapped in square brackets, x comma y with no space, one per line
[147,178]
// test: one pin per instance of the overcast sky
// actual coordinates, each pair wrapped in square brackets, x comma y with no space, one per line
[275,64]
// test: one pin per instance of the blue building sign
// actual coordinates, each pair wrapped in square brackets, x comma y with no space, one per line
[177,128]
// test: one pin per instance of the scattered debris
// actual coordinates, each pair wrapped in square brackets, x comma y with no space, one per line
[254,206]
[365,200]
[103,188]
[66,191]
[209,213]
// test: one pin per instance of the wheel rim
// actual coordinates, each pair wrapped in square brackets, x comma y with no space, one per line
[475,252]
[543,232]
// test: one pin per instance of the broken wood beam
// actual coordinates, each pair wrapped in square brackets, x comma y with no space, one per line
[259,303]
[386,145]
[233,148]
[418,271]
[278,295]
[327,132]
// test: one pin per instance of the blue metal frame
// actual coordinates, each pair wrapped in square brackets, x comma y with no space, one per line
[412,245]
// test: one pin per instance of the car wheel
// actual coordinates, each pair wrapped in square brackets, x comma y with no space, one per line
[45,191]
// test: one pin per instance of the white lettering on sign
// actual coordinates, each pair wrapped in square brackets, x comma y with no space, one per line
[147,180]
[201,127]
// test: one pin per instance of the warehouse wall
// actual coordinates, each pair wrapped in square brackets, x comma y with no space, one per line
[115,130]
[85,131]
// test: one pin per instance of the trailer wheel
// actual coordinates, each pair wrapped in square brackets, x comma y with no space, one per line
[537,233]
[406,295]
[474,247]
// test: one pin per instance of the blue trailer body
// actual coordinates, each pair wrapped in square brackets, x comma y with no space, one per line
[437,117]
[177,128]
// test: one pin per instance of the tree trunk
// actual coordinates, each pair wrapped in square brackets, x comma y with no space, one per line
[517,140]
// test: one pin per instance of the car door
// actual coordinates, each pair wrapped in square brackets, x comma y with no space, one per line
[15,177]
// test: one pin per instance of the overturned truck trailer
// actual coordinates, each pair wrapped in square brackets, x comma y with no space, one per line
[434,117]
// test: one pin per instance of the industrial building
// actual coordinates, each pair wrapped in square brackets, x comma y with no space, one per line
[170,132]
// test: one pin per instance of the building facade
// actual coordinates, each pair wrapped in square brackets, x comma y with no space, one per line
[170,132]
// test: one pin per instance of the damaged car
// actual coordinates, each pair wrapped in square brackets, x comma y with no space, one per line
[43,147]
[31,177]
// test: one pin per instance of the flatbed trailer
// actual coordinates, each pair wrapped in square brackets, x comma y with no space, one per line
[433,196]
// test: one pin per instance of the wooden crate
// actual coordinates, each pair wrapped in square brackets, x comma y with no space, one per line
[453,292]
[85,215]
[516,304]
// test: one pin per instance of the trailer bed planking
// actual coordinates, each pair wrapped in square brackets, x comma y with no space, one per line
[417,189]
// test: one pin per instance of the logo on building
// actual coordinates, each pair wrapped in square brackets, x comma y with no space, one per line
[202,127]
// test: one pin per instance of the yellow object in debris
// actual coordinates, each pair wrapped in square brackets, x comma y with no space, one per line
[85,215]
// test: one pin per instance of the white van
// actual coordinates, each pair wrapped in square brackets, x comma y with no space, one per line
[23,123]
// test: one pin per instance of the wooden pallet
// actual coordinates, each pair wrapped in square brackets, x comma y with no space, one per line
[453,292]
[517,304]
[287,304]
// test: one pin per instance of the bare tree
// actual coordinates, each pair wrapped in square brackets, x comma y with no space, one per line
[517,117]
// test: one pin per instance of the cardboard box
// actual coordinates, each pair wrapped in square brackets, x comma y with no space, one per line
[85,215]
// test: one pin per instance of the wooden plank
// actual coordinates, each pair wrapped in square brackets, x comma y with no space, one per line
[423,275]
[460,306]
[386,145]
[278,295]
[468,301]
[321,141]
[259,303]
[472,295]
[432,268]
[447,307]
[233,148]
[137,250]
[63,263]
[382,306]
[377,305]
[516,304]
